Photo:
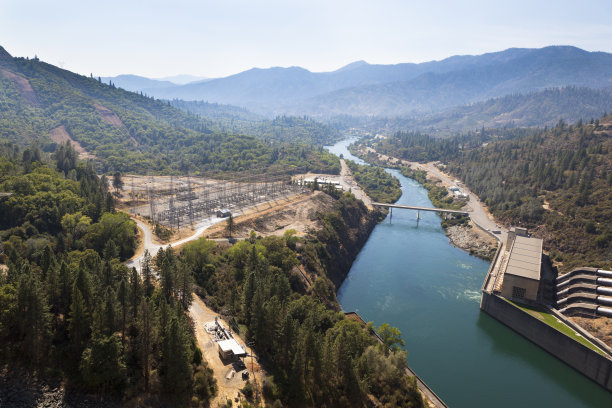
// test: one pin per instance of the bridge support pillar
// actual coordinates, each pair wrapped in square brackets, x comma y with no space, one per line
[418,215]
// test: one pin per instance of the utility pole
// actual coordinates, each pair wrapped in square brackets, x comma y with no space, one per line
[251,344]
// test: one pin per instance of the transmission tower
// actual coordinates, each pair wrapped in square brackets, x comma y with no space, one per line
[133,196]
[150,193]
[190,198]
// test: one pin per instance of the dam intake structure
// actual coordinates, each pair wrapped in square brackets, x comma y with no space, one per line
[522,291]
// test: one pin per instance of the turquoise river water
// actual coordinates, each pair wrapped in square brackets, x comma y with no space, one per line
[410,276]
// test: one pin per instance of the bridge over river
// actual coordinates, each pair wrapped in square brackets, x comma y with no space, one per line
[419,209]
[411,277]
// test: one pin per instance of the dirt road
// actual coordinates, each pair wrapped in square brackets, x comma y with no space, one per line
[348,182]
[478,211]
[228,375]
[148,244]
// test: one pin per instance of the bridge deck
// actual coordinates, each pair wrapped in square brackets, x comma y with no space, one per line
[410,207]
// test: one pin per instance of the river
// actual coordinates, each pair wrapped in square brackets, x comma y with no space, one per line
[410,276]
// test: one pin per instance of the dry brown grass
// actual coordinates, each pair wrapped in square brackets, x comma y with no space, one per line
[274,218]
[600,327]
[24,87]
[60,135]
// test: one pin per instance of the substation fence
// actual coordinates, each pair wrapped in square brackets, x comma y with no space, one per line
[176,207]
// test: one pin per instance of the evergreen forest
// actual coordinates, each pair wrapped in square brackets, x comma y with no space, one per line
[557,182]
[65,292]
[70,308]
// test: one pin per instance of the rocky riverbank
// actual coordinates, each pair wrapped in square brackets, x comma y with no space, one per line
[464,236]
[472,241]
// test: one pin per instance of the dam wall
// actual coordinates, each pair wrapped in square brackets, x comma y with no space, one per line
[596,366]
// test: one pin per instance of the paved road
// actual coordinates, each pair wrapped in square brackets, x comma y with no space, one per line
[153,247]
[478,212]
[200,228]
[348,182]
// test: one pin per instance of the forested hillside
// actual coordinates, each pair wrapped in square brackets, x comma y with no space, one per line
[316,356]
[282,129]
[556,182]
[69,307]
[534,109]
[127,131]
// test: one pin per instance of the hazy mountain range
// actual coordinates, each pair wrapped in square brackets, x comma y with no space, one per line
[532,109]
[136,83]
[362,89]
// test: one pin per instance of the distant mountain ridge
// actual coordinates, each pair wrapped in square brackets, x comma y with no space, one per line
[149,86]
[183,79]
[510,72]
[363,89]
[533,109]
[136,83]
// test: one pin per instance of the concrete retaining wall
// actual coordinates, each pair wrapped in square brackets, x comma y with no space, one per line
[582,331]
[586,361]
[486,231]
[500,247]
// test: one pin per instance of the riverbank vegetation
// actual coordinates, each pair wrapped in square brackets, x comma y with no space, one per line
[282,291]
[556,182]
[379,185]
[69,308]
[438,194]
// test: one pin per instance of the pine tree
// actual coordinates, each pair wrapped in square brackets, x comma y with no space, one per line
[145,324]
[122,297]
[110,250]
[64,288]
[46,260]
[109,312]
[185,283]
[248,291]
[102,367]
[108,278]
[109,203]
[147,274]
[175,362]
[78,328]
[53,286]
[135,292]
[33,317]
[231,226]
[167,270]
[117,182]
[82,282]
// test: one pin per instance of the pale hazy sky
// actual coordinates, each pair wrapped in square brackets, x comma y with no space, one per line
[217,38]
